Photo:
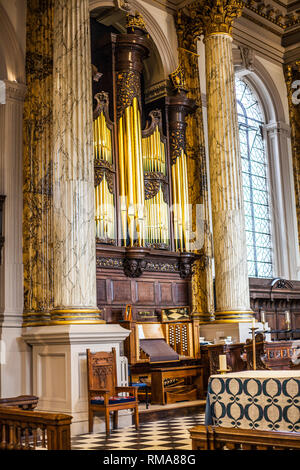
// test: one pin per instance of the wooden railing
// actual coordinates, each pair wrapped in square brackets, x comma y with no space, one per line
[24,402]
[30,430]
[218,438]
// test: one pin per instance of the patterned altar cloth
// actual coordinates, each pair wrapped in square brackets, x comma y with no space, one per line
[255,399]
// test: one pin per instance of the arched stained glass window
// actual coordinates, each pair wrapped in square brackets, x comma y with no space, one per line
[255,182]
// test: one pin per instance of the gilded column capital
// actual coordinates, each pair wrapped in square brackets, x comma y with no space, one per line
[214,16]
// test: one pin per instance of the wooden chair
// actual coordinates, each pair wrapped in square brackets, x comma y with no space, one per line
[103,391]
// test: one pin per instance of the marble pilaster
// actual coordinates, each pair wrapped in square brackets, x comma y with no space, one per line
[202,298]
[292,78]
[11,171]
[14,353]
[37,166]
[73,174]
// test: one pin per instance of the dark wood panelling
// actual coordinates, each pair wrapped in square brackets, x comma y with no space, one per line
[166,293]
[101,290]
[180,293]
[145,292]
[275,297]
[121,291]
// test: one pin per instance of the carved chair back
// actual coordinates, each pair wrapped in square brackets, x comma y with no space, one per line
[102,373]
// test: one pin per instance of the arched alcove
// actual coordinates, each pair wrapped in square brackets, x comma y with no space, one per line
[163,58]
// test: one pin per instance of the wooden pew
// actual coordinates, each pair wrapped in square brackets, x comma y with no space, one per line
[218,438]
[33,430]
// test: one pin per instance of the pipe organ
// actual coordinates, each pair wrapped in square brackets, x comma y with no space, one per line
[141,204]
[151,182]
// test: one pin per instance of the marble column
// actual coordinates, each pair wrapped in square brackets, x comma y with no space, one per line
[230,252]
[73,172]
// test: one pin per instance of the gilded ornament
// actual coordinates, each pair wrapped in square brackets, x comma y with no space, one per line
[213,16]
[177,142]
[177,78]
[129,87]
[135,21]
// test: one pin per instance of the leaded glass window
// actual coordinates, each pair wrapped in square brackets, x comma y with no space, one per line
[255,182]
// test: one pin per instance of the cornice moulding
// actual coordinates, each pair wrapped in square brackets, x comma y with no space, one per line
[75,334]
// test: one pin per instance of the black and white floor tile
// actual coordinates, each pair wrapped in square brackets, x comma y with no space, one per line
[168,434]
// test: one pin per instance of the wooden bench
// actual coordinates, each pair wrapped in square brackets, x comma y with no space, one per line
[162,393]
[33,430]
[218,438]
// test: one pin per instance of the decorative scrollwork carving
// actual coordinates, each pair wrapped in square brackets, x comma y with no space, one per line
[153,181]
[101,168]
[129,87]
[102,372]
[279,283]
[177,142]
[102,100]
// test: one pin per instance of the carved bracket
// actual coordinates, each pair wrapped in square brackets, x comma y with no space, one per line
[135,263]
[185,264]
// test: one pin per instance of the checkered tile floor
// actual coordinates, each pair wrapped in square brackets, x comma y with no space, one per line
[158,435]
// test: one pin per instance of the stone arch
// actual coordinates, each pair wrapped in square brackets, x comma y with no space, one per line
[267,92]
[165,58]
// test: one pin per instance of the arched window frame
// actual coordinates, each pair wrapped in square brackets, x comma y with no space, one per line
[270,223]
[276,133]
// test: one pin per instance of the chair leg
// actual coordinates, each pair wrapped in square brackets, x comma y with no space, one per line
[136,417]
[91,421]
[115,419]
[107,421]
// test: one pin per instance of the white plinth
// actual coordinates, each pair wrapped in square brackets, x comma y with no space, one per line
[59,368]
[239,332]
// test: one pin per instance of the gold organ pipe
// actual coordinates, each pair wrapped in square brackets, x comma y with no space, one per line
[156,210]
[181,208]
[103,199]
[131,172]
[122,181]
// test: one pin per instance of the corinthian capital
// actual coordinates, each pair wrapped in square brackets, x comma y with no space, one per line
[215,16]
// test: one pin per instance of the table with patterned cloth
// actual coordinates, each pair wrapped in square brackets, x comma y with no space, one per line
[266,400]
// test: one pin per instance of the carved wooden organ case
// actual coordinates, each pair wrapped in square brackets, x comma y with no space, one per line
[143,256]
